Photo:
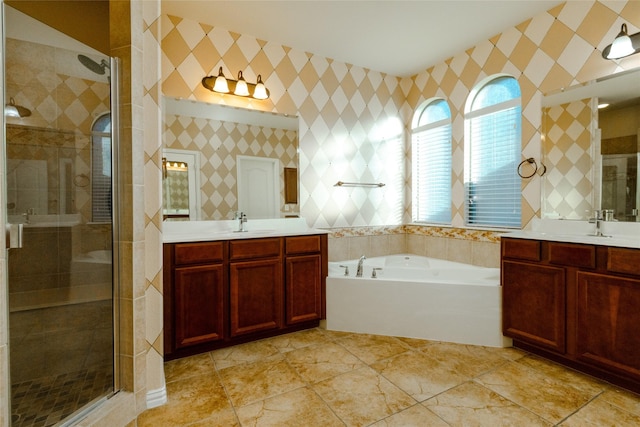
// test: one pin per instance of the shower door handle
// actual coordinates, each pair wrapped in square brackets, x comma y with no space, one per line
[13,236]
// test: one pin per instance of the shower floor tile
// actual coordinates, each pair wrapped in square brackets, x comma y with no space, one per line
[45,401]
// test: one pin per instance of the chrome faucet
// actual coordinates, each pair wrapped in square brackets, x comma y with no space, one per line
[359,269]
[27,215]
[242,219]
[597,220]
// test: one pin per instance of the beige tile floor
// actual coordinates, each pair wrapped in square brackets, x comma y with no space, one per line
[323,378]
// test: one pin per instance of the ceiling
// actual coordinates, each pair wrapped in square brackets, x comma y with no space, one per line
[401,38]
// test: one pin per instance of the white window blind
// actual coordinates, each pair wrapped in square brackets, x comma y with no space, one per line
[492,184]
[431,156]
[101,170]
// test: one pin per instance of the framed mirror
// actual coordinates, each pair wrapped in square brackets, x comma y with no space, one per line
[221,135]
[591,148]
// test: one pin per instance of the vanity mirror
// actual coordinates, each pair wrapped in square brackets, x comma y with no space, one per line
[592,151]
[242,154]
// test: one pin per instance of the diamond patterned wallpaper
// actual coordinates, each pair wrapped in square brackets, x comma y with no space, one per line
[353,121]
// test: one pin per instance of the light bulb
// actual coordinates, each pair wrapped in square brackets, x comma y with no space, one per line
[241,86]
[221,84]
[260,92]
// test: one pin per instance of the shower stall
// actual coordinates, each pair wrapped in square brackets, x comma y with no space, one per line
[58,189]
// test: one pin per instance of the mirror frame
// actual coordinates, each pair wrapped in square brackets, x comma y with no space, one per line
[244,121]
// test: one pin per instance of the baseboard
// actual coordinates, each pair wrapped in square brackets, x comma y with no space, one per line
[156,397]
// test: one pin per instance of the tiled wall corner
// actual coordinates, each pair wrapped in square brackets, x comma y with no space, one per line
[352,243]
[476,247]
[126,42]
[152,112]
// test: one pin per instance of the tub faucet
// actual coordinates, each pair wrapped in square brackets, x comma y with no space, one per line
[359,269]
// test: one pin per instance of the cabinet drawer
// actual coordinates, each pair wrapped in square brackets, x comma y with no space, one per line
[198,253]
[302,244]
[626,261]
[521,249]
[572,255]
[254,248]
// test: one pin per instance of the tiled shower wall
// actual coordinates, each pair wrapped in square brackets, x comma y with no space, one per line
[64,99]
[349,114]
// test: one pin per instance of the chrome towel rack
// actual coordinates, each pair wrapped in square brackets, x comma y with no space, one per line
[358,184]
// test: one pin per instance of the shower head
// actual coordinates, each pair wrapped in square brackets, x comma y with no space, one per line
[93,65]
[13,110]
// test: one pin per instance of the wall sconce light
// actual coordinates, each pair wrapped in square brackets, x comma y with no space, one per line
[173,166]
[623,45]
[13,110]
[240,87]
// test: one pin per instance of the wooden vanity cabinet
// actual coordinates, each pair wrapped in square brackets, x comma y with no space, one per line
[197,311]
[223,293]
[304,272]
[535,304]
[577,304]
[256,288]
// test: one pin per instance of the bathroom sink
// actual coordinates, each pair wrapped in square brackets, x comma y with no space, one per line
[261,231]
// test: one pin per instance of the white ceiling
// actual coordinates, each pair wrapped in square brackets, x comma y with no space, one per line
[401,38]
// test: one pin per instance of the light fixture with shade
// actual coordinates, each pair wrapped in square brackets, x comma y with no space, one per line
[260,92]
[240,87]
[221,85]
[623,45]
[13,110]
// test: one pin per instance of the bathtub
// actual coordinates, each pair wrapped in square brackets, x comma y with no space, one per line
[417,297]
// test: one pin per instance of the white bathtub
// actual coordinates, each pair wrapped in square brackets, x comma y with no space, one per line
[417,297]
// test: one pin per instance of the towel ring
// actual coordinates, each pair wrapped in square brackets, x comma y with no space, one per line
[530,160]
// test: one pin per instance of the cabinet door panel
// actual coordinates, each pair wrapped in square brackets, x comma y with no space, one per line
[534,304]
[303,289]
[609,322]
[302,244]
[199,305]
[521,249]
[255,296]
[198,253]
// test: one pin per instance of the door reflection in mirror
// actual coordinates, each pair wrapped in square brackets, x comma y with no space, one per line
[180,185]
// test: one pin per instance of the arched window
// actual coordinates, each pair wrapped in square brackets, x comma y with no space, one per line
[101,169]
[431,157]
[492,152]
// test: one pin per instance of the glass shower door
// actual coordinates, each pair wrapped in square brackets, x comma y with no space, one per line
[58,193]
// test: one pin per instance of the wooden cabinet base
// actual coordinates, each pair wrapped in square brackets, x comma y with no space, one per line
[222,293]
[576,304]
[589,369]
[215,345]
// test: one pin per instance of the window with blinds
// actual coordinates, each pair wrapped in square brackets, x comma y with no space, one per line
[492,154]
[431,157]
[101,169]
